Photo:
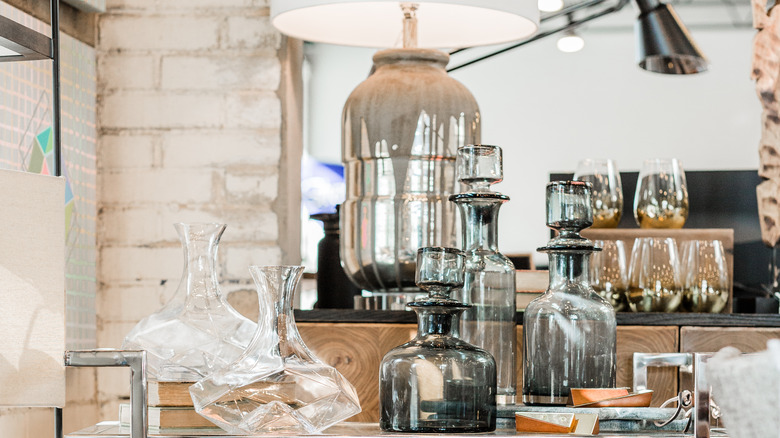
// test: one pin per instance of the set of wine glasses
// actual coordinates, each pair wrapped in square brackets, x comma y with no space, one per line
[660,200]
[660,277]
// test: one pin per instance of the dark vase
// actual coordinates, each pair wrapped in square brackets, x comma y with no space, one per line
[334,289]
[436,382]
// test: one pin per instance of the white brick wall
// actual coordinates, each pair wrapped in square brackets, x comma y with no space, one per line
[147,32]
[190,119]
[221,148]
[258,72]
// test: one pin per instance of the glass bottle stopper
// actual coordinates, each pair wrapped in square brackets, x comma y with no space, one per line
[439,270]
[479,166]
[569,211]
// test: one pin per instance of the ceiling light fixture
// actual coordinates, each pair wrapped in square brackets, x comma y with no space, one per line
[663,43]
[550,5]
[570,42]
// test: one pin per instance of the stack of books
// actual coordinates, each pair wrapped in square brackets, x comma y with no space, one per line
[170,409]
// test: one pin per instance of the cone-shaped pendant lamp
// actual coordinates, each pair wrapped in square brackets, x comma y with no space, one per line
[663,43]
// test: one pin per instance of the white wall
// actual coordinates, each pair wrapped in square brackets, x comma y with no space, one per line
[549,109]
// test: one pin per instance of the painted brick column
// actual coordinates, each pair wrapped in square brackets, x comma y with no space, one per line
[199,121]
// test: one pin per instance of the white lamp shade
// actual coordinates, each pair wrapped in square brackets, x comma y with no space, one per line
[379,23]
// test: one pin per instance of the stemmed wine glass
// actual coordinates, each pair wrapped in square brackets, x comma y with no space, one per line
[705,276]
[654,283]
[439,270]
[606,190]
[609,272]
[661,198]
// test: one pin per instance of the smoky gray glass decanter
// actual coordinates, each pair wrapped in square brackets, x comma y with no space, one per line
[198,331]
[569,332]
[276,386]
[489,282]
[436,382]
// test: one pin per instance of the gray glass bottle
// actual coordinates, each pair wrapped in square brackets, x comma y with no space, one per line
[569,332]
[437,382]
[489,284]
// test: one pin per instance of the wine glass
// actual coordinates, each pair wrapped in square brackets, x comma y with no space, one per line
[661,199]
[654,282]
[705,276]
[439,270]
[609,272]
[607,191]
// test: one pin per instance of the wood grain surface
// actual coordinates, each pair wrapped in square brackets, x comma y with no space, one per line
[711,339]
[356,350]
[640,339]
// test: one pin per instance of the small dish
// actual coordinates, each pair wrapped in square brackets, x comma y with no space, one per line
[580,396]
[639,399]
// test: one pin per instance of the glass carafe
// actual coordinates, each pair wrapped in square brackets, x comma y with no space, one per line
[196,332]
[437,382]
[489,284]
[569,332]
[277,385]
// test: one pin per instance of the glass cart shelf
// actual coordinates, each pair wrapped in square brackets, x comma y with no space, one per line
[358,430]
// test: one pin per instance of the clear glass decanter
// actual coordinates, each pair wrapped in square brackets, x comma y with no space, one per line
[277,385]
[489,285]
[197,331]
[437,382]
[569,332]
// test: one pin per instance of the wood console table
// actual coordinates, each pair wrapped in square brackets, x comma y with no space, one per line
[354,341]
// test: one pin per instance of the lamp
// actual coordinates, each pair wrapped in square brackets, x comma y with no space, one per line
[663,43]
[550,5]
[378,23]
[402,125]
[570,42]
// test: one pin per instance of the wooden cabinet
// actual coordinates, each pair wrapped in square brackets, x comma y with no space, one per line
[712,339]
[356,350]
[647,339]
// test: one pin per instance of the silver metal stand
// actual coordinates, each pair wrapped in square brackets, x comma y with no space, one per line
[136,360]
[55,86]
[58,423]
[701,396]
[643,360]
[694,363]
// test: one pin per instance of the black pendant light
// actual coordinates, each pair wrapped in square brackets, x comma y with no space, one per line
[663,43]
